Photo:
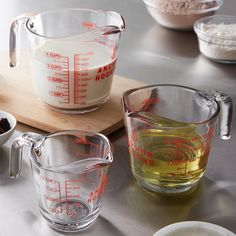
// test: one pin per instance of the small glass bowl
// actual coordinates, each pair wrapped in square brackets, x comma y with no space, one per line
[216,45]
[181,14]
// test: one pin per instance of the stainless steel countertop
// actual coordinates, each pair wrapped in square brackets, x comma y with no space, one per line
[155,55]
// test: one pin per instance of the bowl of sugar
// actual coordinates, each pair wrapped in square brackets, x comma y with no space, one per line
[181,14]
[217,37]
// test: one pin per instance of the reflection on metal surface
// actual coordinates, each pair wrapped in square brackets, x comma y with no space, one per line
[171,43]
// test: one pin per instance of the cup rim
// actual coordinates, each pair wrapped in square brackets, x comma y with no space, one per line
[27,24]
[130,91]
[53,169]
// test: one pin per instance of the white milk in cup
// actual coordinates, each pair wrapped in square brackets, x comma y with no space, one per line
[78,80]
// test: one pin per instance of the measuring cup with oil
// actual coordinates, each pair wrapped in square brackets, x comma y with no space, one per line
[73,54]
[70,173]
[170,129]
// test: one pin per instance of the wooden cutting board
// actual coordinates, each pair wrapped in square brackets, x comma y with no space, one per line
[17,97]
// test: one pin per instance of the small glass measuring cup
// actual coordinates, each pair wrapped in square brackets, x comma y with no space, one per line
[70,173]
[170,129]
[73,55]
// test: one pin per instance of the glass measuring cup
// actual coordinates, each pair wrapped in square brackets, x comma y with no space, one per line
[73,54]
[170,129]
[70,173]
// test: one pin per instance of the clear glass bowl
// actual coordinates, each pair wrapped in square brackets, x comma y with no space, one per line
[217,38]
[181,14]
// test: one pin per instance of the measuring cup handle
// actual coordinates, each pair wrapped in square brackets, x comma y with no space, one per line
[15,165]
[14,38]
[226,114]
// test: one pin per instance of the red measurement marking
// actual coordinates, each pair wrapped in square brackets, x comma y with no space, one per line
[68,78]
[94,150]
[81,140]
[93,195]
[147,103]
[59,187]
[76,77]
[89,25]
[52,54]
[140,150]
[46,179]
[49,198]
[55,79]
[53,193]
[176,162]
[60,75]
[81,75]
[142,159]
[56,94]
[70,187]
[105,71]
[184,144]
[84,80]
[53,66]
[52,189]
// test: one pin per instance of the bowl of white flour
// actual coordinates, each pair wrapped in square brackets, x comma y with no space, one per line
[181,14]
[217,37]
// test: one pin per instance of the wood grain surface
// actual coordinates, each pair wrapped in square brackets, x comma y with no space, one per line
[18,98]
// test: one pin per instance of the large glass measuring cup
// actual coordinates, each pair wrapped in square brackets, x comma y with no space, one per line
[170,129]
[73,55]
[70,173]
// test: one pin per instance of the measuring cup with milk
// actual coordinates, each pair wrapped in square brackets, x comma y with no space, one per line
[73,55]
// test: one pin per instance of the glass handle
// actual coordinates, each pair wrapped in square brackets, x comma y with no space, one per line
[14,38]
[16,158]
[15,165]
[226,114]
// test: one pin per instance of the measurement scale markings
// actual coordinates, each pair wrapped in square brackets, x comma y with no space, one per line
[54,188]
[66,81]
[81,62]
[60,201]
[69,187]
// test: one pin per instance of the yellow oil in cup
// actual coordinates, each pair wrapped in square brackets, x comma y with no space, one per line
[169,157]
